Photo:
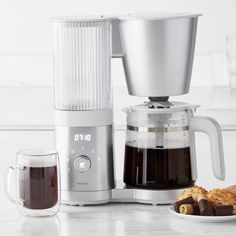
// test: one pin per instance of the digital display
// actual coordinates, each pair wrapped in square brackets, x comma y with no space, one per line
[82,137]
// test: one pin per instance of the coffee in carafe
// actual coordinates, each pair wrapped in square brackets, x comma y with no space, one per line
[156,168]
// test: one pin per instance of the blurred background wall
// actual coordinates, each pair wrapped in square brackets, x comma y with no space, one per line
[26,35]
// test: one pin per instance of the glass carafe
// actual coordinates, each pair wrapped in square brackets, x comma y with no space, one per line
[160,147]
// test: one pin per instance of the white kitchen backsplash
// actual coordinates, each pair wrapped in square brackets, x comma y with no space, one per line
[26,70]
[37,70]
[32,107]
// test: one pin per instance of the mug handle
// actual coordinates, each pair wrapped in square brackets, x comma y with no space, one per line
[7,182]
[212,128]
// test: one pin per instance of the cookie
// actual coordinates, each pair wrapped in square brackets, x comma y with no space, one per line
[192,192]
[232,189]
[219,197]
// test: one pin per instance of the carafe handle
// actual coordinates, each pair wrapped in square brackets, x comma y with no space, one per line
[212,128]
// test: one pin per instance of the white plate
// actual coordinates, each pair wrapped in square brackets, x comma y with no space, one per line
[202,218]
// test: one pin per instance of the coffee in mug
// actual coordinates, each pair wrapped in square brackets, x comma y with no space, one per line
[38,190]
[38,185]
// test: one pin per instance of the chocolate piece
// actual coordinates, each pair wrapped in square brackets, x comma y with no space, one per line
[189,209]
[234,210]
[205,208]
[225,210]
[188,200]
[196,210]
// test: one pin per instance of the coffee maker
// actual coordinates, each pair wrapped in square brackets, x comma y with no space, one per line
[157,52]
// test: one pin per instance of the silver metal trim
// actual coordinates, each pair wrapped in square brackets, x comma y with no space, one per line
[157,197]
[121,195]
[82,198]
[159,129]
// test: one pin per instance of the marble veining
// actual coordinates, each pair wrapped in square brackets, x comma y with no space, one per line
[111,219]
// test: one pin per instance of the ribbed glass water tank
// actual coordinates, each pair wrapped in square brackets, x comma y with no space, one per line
[82,52]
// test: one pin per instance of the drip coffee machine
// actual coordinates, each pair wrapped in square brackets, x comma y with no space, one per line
[157,52]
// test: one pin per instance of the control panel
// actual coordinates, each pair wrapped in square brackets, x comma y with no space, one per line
[86,158]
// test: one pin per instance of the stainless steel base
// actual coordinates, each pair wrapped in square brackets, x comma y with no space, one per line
[121,194]
[92,197]
[154,197]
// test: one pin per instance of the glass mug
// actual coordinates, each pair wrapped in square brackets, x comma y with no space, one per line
[37,182]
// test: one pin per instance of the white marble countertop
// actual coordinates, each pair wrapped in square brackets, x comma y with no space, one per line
[110,219]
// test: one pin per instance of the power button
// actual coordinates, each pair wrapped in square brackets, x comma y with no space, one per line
[82,164]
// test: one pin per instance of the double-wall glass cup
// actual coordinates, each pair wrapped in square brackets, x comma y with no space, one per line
[37,180]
